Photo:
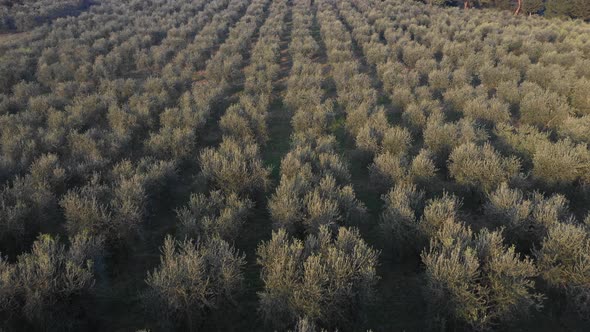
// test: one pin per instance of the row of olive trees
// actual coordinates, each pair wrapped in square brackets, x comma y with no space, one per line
[202,274]
[328,277]
[111,205]
[313,190]
[546,227]
[95,127]
[180,128]
[475,279]
[390,145]
[246,120]
[234,166]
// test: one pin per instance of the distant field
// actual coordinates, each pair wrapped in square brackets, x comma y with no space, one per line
[294,165]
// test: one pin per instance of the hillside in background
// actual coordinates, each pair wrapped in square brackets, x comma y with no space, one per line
[292,165]
[576,9]
[24,15]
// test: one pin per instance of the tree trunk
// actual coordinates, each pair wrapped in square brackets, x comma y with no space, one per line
[519,7]
[466,4]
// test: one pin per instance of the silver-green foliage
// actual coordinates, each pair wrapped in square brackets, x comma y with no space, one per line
[325,278]
[564,262]
[216,214]
[49,277]
[477,281]
[193,277]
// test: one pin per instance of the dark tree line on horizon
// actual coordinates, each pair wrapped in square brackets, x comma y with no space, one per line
[577,9]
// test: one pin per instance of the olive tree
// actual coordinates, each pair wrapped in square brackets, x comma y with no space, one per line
[399,220]
[302,204]
[564,262]
[193,279]
[326,278]
[481,167]
[527,218]
[474,280]
[216,214]
[562,163]
[42,284]
[234,166]
[26,202]
[543,108]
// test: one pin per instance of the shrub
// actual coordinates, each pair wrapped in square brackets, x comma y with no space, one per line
[522,141]
[112,213]
[319,156]
[441,138]
[216,215]
[286,204]
[577,129]
[24,205]
[412,53]
[312,120]
[370,136]
[19,146]
[561,163]
[422,170]
[399,220]
[542,108]
[193,278]
[388,169]
[564,262]
[301,204]
[306,325]
[507,206]
[527,219]
[84,210]
[489,110]
[326,279]
[491,77]
[176,144]
[245,121]
[508,92]
[439,80]
[86,111]
[437,212]
[551,77]
[481,167]
[397,141]
[234,167]
[476,280]
[177,135]
[456,97]
[86,152]
[579,96]
[42,285]
[47,171]
[415,116]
